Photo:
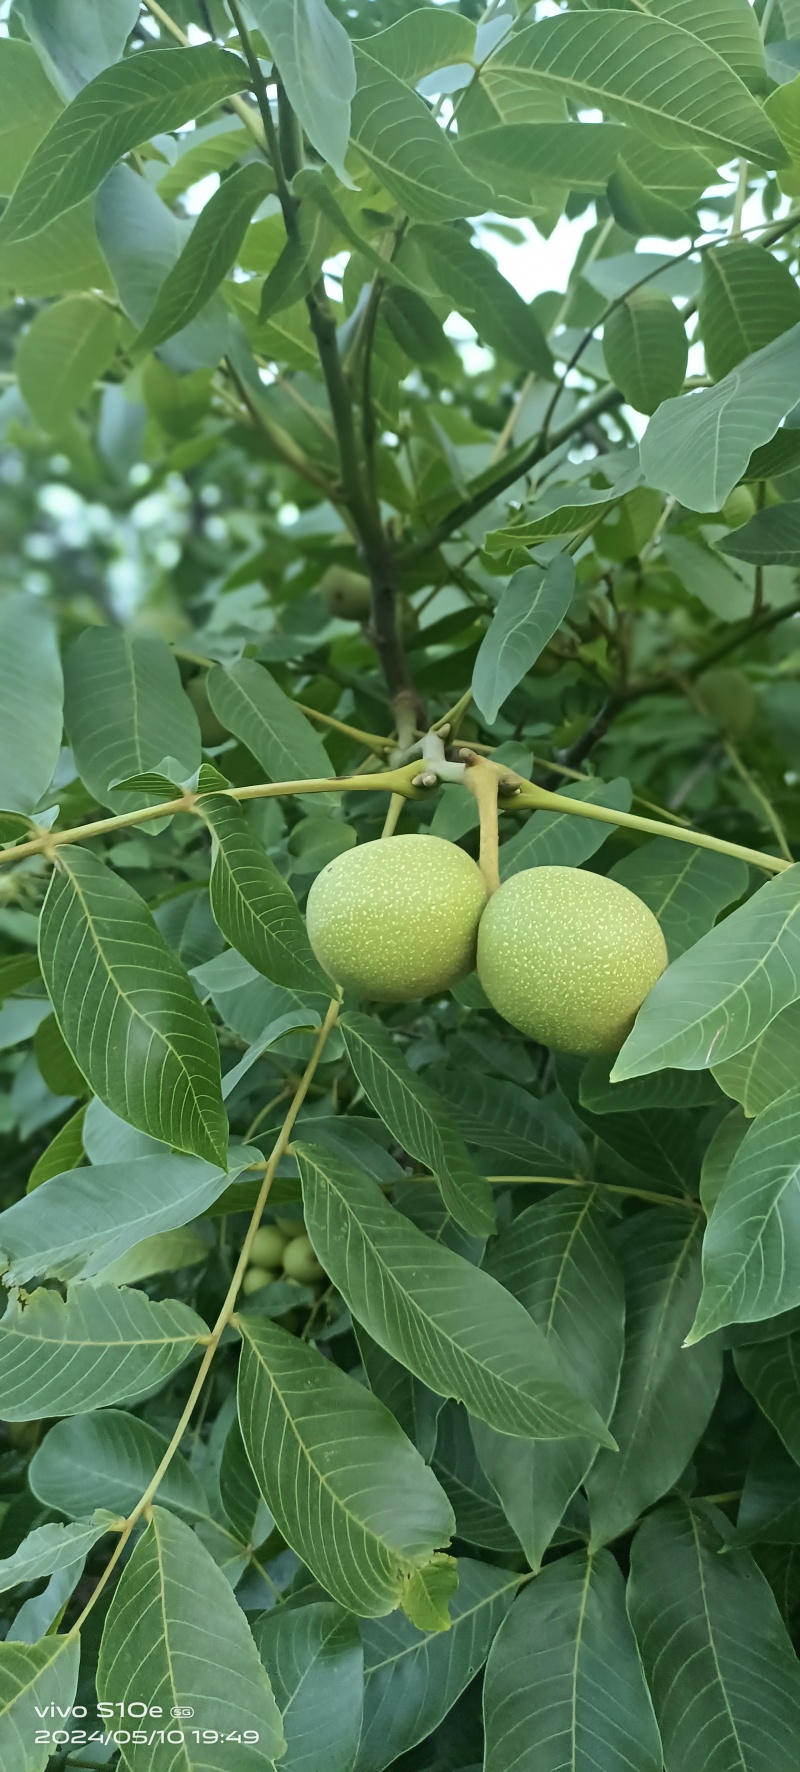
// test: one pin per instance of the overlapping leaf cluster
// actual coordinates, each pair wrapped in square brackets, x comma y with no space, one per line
[292,467]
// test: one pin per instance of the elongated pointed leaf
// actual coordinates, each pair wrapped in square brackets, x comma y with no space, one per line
[122,107]
[698,446]
[646,349]
[685,888]
[564,1684]
[716,999]
[210,250]
[315,1661]
[507,1120]
[720,1666]
[728,26]
[412,1679]
[49,1548]
[349,1492]
[68,347]
[453,1326]
[76,1224]
[31,701]
[531,609]
[480,1518]
[253,905]
[645,71]
[477,289]
[421,42]
[174,1622]
[748,299]
[125,712]
[409,154]
[127,1010]
[314,57]
[420,1123]
[770,1370]
[100,1344]
[106,1460]
[32,1677]
[251,705]
[666,1393]
[751,1249]
[556,1259]
[771,538]
[29,104]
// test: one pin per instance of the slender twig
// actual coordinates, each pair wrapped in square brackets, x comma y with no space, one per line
[394,810]
[609,1187]
[226,1313]
[483,780]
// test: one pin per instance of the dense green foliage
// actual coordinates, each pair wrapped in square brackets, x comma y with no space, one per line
[378,1387]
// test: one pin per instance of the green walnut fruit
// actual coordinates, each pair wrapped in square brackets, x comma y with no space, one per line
[730,700]
[739,507]
[397,919]
[299,1260]
[255,1278]
[346,594]
[267,1246]
[569,957]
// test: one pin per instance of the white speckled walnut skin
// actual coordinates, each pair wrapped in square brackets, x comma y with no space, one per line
[398,918]
[569,957]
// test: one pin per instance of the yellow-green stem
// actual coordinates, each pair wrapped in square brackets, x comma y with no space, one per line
[540,799]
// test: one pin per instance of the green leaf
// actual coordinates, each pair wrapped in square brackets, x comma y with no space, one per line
[716,999]
[550,839]
[762,1072]
[531,609]
[349,1492]
[664,1089]
[751,1265]
[123,106]
[728,26]
[413,1679]
[646,349]
[142,241]
[772,537]
[251,705]
[49,1548]
[64,1152]
[34,1676]
[515,157]
[174,1612]
[253,905]
[209,253]
[644,71]
[564,1684]
[411,1403]
[698,446]
[74,1225]
[127,1010]
[770,1371]
[470,279]
[105,1461]
[480,1518]
[29,104]
[410,155]
[450,1324]
[418,1119]
[428,1592]
[315,1661]
[783,110]
[422,42]
[556,1259]
[31,698]
[78,38]
[698,1616]
[65,351]
[125,713]
[748,298]
[508,1120]
[314,57]
[666,1394]
[685,888]
[100,1344]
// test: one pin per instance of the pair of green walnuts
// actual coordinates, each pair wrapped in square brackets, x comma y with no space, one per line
[565,956]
